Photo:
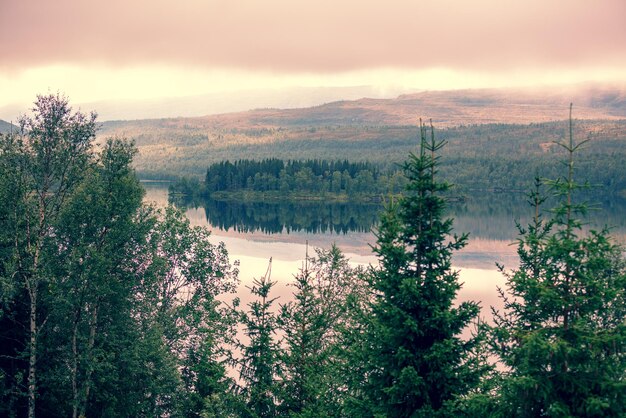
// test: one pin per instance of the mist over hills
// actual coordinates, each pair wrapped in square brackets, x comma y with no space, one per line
[215,103]
[452,106]
[445,108]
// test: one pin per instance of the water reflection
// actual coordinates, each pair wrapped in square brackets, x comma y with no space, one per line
[282,229]
[485,216]
[286,217]
[254,232]
[308,216]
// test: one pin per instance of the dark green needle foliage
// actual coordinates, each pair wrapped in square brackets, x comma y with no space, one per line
[562,333]
[259,368]
[313,358]
[417,359]
[304,324]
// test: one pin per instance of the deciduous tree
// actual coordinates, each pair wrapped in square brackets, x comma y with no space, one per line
[47,160]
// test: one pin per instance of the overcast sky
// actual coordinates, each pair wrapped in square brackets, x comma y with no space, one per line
[125,49]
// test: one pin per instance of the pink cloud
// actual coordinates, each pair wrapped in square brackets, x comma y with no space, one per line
[315,36]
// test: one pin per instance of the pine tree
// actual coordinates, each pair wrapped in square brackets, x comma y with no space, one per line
[562,333]
[416,358]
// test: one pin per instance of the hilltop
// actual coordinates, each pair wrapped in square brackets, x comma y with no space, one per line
[445,108]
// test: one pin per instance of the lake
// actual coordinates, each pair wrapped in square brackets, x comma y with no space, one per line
[255,232]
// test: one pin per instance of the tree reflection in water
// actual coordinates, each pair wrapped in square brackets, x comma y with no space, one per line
[489,216]
[285,217]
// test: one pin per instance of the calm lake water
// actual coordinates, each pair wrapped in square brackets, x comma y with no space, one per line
[255,232]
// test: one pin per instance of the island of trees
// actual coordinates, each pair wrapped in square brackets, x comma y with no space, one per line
[275,179]
[109,307]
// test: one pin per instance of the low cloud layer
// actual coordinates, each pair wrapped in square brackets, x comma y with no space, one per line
[320,36]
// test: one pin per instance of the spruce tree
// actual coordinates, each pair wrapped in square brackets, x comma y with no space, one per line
[304,324]
[562,333]
[260,355]
[417,360]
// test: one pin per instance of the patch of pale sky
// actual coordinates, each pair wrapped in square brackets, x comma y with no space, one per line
[93,83]
[146,49]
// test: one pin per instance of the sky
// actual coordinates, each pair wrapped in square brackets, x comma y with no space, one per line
[145,49]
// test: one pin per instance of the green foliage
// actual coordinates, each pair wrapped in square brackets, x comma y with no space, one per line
[107,307]
[185,274]
[44,162]
[207,385]
[94,235]
[294,176]
[259,365]
[188,272]
[312,383]
[562,333]
[112,308]
[417,361]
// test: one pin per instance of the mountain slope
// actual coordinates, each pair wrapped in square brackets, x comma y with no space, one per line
[380,130]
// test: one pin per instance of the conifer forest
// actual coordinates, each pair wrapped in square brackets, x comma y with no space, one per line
[113,307]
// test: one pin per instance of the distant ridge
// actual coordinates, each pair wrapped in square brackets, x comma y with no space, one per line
[6,127]
[445,108]
[228,102]
[367,104]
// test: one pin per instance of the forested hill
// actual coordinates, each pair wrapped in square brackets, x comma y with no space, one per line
[492,125]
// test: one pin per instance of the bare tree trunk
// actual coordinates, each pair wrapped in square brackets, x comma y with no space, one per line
[89,369]
[32,284]
[75,400]
[32,348]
